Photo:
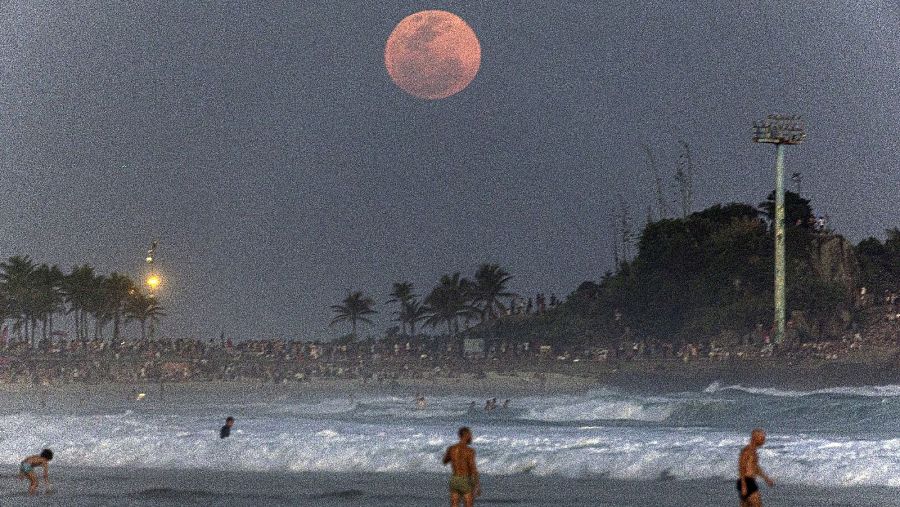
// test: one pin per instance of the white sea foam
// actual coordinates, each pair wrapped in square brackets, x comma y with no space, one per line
[886,391]
[602,410]
[542,436]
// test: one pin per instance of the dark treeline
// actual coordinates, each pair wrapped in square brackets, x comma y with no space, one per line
[705,276]
[33,296]
[455,300]
[709,276]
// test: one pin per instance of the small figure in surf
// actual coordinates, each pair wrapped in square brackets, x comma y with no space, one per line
[464,483]
[27,466]
[225,432]
[421,402]
[505,404]
[749,470]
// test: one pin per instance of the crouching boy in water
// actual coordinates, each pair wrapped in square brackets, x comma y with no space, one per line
[464,483]
[27,466]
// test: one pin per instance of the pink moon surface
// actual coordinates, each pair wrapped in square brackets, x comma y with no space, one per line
[432,54]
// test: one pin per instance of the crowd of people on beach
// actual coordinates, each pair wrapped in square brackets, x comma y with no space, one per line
[279,361]
[57,359]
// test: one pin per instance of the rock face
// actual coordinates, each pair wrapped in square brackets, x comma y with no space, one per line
[833,259]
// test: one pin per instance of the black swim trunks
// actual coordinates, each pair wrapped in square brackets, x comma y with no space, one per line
[752,487]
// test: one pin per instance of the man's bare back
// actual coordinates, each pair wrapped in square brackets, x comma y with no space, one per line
[464,483]
[461,458]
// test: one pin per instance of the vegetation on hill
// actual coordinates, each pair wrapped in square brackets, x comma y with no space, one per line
[709,276]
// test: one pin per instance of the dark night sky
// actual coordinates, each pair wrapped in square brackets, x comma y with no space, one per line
[265,145]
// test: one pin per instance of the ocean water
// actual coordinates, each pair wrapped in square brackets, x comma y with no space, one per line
[840,437]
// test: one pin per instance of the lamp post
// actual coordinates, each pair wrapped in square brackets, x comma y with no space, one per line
[153,280]
[780,131]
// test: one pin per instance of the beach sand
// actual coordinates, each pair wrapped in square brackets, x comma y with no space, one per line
[153,487]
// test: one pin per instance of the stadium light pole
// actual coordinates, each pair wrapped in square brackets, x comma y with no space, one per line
[780,131]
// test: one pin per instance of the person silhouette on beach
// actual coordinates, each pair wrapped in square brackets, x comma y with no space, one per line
[464,483]
[27,466]
[749,470]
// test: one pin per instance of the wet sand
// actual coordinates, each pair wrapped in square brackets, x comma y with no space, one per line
[154,487]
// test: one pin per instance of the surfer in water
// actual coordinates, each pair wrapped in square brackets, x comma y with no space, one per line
[464,483]
[27,466]
[749,470]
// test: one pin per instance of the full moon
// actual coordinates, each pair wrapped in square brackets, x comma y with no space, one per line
[432,54]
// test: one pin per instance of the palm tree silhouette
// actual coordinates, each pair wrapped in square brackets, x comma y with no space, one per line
[402,293]
[142,308]
[116,290]
[96,305]
[489,287]
[449,301]
[79,287]
[47,283]
[411,313]
[17,280]
[353,309]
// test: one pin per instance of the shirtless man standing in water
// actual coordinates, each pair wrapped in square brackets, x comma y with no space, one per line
[464,483]
[749,470]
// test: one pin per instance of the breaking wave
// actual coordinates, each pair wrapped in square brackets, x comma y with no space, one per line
[887,391]
[848,437]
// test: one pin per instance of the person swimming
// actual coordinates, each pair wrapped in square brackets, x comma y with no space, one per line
[27,466]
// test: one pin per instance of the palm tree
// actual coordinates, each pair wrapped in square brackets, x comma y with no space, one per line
[5,312]
[489,287]
[142,308]
[116,290]
[96,305]
[17,279]
[412,312]
[353,309]
[449,301]
[79,287]
[49,300]
[402,294]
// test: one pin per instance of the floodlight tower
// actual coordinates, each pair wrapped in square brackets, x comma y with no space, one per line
[780,131]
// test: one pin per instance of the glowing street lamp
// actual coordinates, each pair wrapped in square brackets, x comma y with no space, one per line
[153,282]
[780,131]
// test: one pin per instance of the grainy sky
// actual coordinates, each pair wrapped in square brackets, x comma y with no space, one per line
[265,146]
